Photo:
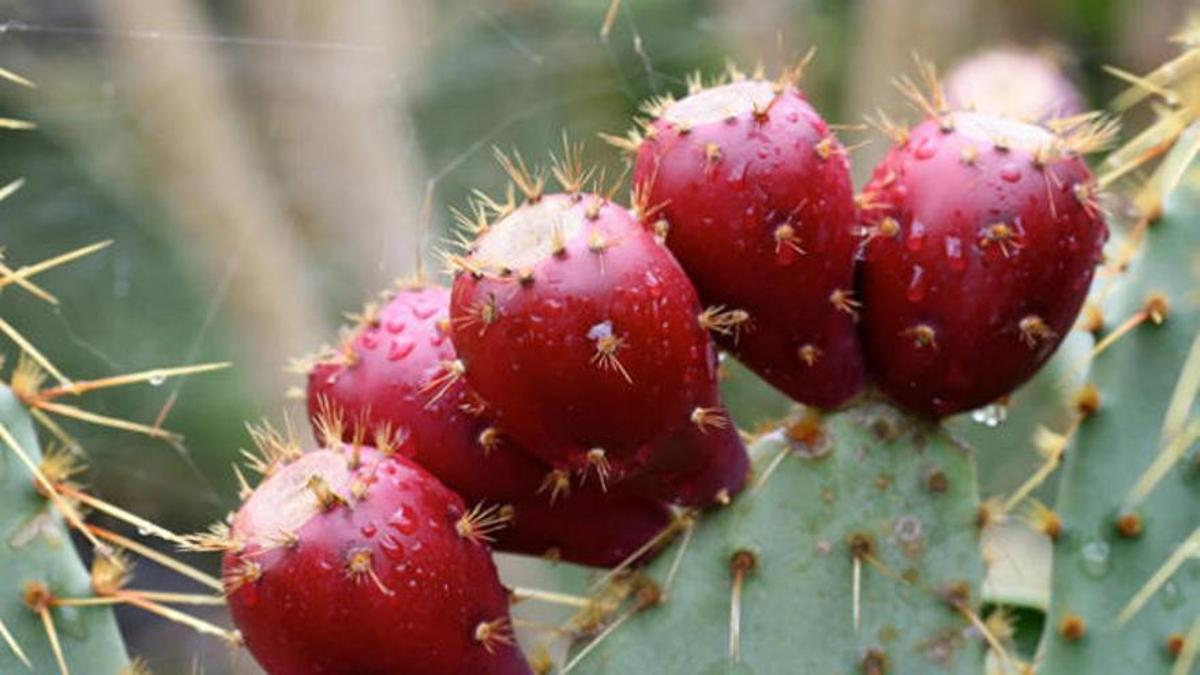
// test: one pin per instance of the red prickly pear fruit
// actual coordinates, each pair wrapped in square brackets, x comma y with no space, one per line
[1019,83]
[396,374]
[983,235]
[583,333]
[587,527]
[715,481]
[394,380]
[751,191]
[353,561]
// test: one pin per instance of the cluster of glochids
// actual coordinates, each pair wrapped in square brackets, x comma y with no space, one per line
[562,398]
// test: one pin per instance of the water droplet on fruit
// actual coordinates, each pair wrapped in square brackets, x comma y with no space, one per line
[954,253]
[394,326]
[1093,558]
[157,379]
[916,285]
[402,521]
[991,415]
[368,530]
[368,340]
[424,311]
[1010,173]
[926,148]
[916,236]
[400,348]
[392,548]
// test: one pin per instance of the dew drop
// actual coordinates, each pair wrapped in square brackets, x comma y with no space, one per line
[916,236]
[916,285]
[402,521]
[1010,173]
[1093,558]
[394,326]
[368,340]
[991,415]
[368,530]
[424,311]
[925,149]
[157,379]
[392,548]
[954,253]
[400,348]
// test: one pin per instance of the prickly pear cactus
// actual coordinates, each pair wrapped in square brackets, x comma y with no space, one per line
[1125,593]
[854,550]
[37,555]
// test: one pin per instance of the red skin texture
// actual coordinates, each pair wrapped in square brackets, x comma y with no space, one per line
[942,269]
[388,386]
[415,612]
[588,527]
[722,475]
[538,367]
[392,382]
[723,214]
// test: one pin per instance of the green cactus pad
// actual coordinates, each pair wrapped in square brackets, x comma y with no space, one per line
[903,484]
[36,547]
[1096,570]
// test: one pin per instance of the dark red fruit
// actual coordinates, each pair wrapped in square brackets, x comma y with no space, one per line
[396,377]
[751,191]
[397,374]
[983,239]
[589,526]
[584,334]
[354,561]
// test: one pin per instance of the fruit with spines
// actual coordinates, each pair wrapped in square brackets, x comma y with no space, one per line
[750,189]
[394,380]
[983,239]
[584,335]
[354,560]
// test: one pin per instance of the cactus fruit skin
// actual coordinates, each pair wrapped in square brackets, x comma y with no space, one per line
[350,560]
[1097,571]
[752,193]
[392,380]
[38,548]
[896,481]
[1018,83]
[587,527]
[584,335]
[393,377]
[982,246]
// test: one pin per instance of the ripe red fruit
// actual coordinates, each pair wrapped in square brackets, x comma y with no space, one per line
[983,239]
[397,374]
[354,561]
[588,527]
[395,378]
[584,335]
[751,191]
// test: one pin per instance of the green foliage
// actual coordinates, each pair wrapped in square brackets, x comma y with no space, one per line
[871,472]
[35,547]
[1098,571]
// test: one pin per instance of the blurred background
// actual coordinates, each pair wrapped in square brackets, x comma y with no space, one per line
[264,165]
